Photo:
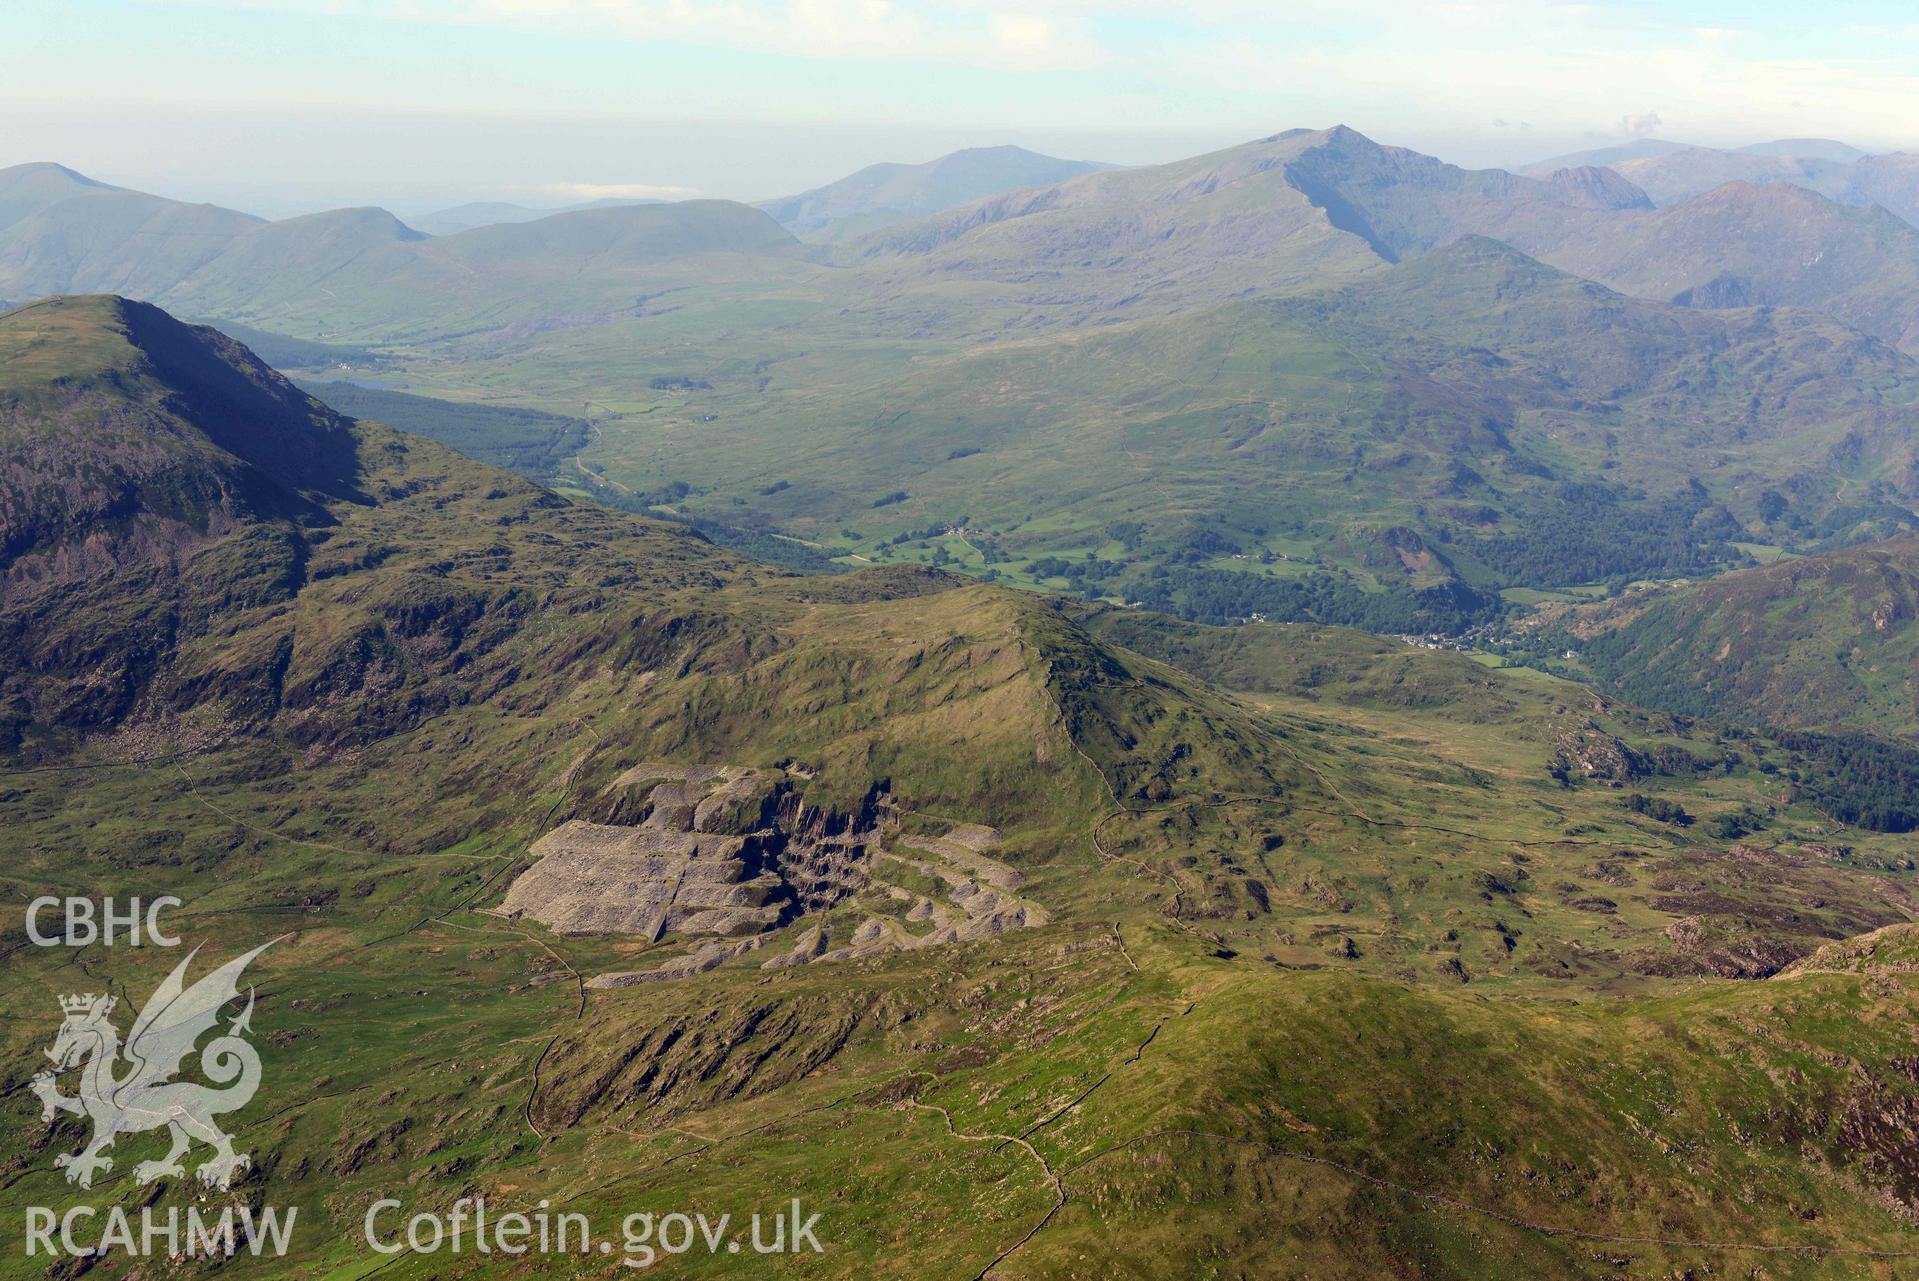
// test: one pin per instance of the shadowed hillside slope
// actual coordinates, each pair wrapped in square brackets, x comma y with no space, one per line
[183,529]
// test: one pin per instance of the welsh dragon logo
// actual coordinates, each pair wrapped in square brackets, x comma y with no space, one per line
[129,1089]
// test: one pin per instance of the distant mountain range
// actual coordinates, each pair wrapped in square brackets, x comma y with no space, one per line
[1671,172]
[487,213]
[876,197]
[1071,243]
[1420,385]
[1776,244]
[1641,149]
[882,195]
[1305,206]
[63,233]
[1290,209]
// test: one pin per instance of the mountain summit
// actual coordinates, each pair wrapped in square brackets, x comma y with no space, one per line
[63,232]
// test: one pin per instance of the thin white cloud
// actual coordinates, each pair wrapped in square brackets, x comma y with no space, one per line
[982,33]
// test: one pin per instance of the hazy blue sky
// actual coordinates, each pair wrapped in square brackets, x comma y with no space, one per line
[285,105]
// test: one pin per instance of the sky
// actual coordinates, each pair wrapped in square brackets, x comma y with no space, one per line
[286,106]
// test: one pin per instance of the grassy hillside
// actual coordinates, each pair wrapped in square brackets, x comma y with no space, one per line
[184,528]
[1820,642]
[1336,955]
[1455,425]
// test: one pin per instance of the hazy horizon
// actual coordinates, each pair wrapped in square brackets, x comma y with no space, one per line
[806,159]
[550,102]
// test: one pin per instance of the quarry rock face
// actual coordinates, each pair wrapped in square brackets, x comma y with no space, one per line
[593,878]
[720,856]
[686,866]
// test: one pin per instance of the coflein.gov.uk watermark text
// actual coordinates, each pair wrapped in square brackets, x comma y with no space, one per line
[470,1226]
